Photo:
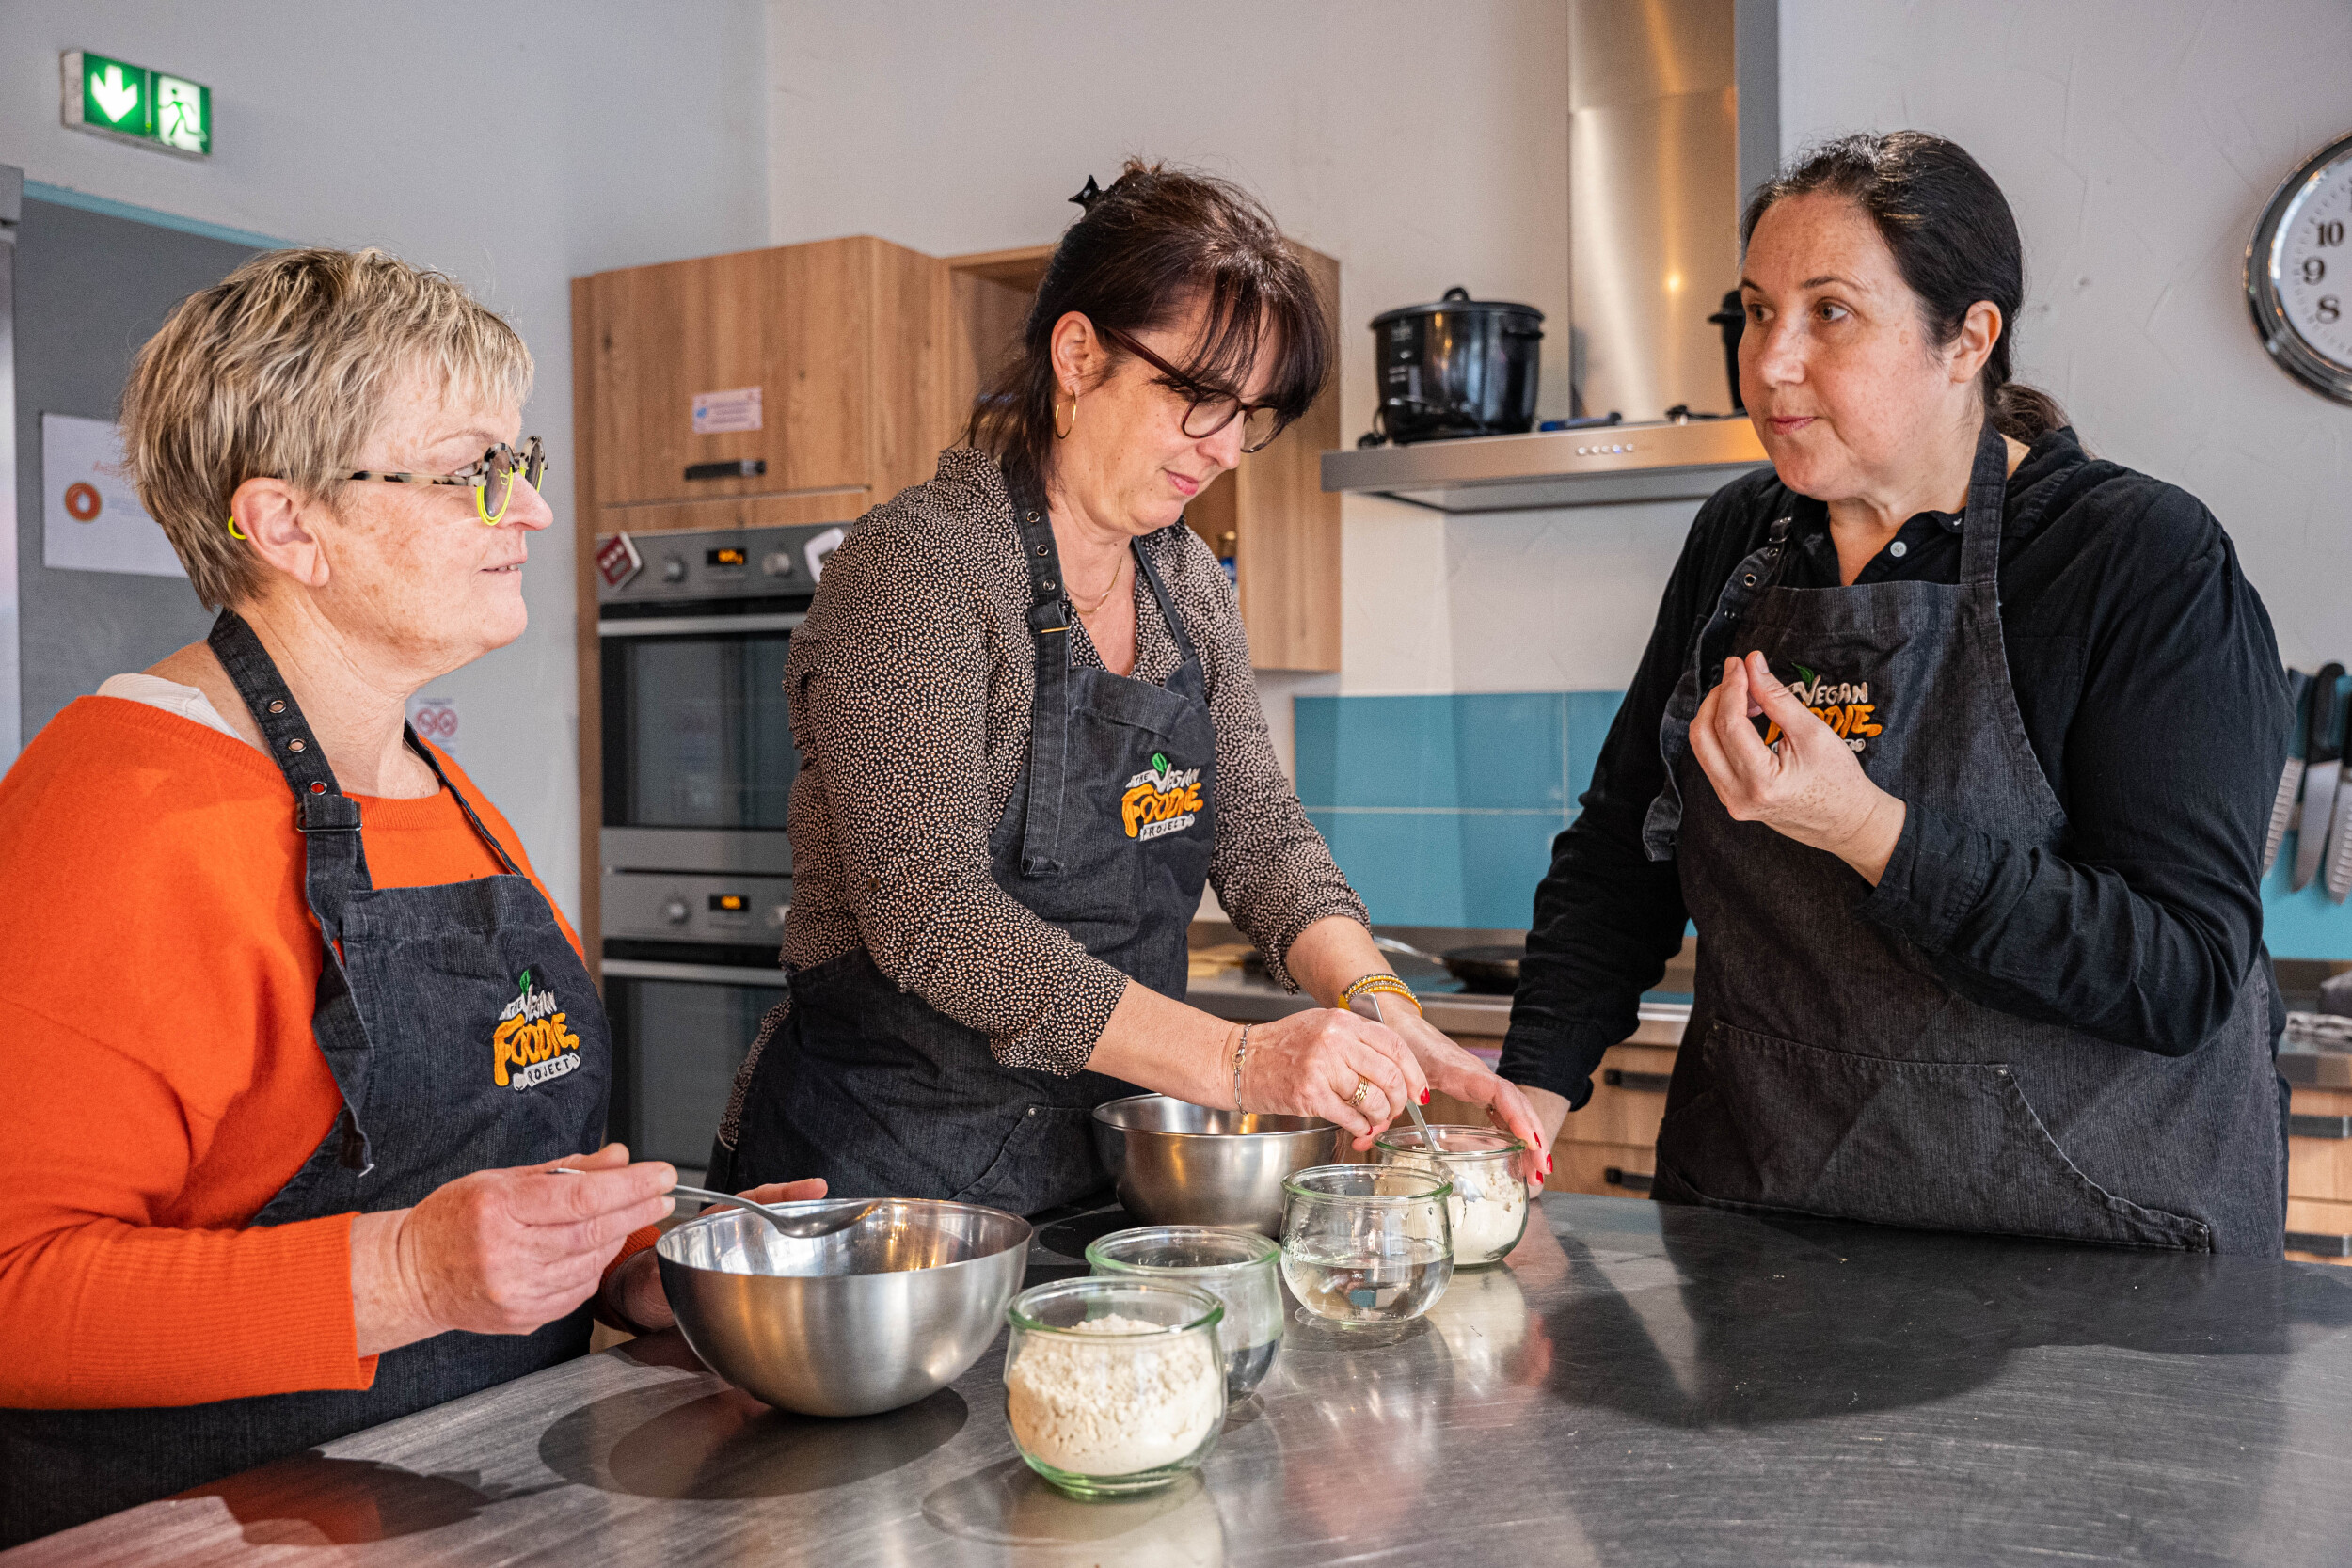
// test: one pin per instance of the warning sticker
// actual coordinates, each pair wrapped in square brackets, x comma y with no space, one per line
[717,413]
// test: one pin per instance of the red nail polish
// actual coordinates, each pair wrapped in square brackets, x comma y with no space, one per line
[1425,1097]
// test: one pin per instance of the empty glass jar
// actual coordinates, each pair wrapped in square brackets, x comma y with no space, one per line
[1238,1267]
[1114,1385]
[1365,1244]
[1489,1209]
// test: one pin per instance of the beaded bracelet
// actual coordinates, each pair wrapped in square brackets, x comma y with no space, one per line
[1379,980]
[1240,1051]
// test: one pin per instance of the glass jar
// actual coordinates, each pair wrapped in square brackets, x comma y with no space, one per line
[1365,1244]
[1489,1206]
[1238,1267]
[1114,1385]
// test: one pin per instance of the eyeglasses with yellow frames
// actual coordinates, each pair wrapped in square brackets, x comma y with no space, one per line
[496,471]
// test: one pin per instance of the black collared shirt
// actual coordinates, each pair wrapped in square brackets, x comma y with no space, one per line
[2153,698]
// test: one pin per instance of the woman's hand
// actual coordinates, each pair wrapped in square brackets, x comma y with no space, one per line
[1809,785]
[634,1292]
[1454,1071]
[499,1251]
[1313,1063]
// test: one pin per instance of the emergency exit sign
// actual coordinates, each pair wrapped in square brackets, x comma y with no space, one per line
[136,102]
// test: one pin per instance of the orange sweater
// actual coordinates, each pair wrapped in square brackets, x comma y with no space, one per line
[158,1078]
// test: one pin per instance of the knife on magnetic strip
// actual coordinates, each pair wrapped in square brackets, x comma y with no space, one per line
[2323,761]
[2291,776]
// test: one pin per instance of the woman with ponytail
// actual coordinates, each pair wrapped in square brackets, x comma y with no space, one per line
[1958,745]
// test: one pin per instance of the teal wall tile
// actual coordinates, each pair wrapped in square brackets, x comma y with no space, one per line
[1504,857]
[1590,714]
[2305,924]
[1406,866]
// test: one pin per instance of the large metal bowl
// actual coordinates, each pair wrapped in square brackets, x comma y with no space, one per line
[863,1320]
[1180,1164]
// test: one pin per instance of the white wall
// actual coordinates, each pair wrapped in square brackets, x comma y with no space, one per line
[512,143]
[1422,146]
[2138,141]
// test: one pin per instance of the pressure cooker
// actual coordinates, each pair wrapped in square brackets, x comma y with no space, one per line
[1460,367]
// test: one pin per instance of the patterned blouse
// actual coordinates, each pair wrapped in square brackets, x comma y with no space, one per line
[909,688]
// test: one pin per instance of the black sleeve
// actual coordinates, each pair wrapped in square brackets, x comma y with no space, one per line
[2140,926]
[1606,917]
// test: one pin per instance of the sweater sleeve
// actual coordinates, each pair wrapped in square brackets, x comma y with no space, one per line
[100,1304]
[893,711]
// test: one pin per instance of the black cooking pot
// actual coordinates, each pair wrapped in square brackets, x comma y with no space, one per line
[1460,367]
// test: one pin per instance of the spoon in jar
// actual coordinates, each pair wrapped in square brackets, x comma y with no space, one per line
[832,1217]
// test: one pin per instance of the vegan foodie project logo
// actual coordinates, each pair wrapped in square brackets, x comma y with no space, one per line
[530,1045]
[1845,706]
[1160,800]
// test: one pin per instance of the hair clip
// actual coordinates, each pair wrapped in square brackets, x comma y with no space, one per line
[1088,196]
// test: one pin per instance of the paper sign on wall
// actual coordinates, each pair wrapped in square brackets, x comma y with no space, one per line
[715,413]
[434,719]
[90,516]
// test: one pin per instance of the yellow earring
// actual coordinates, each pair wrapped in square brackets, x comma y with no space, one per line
[1061,431]
[234,532]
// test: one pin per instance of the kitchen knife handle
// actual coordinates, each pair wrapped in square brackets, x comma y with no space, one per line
[2324,742]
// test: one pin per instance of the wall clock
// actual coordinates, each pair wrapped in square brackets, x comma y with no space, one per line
[2299,272]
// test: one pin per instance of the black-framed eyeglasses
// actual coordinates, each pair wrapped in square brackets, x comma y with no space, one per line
[1211,408]
[495,472]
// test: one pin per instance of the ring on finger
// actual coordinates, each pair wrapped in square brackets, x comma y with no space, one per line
[1363,1087]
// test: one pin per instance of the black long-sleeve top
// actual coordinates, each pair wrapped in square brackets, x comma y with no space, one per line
[2153,696]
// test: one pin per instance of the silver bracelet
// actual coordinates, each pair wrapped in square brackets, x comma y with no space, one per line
[1240,1052]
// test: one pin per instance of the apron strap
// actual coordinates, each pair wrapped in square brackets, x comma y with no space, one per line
[409,734]
[1049,705]
[335,862]
[1167,606]
[1980,526]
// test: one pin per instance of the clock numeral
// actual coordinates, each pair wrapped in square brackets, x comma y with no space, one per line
[2329,310]
[2314,269]
[2331,233]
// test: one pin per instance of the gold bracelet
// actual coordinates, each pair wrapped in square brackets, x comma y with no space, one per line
[1379,980]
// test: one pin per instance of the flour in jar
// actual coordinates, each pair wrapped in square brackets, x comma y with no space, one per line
[1488,1208]
[1119,1404]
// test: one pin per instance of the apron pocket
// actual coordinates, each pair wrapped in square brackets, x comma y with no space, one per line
[1047,1159]
[1946,1146]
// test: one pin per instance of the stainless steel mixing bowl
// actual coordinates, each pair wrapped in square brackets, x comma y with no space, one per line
[863,1320]
[1180,1164]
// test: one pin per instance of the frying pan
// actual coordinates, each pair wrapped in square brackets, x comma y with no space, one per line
[1486,971]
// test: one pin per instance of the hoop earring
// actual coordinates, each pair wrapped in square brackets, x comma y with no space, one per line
[1061,431]
[234,532]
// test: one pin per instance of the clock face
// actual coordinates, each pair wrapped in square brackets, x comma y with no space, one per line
[2299,273]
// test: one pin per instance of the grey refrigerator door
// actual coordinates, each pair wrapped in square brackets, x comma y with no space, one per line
[91,288]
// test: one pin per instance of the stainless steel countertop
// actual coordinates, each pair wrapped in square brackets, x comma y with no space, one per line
[1642,1385]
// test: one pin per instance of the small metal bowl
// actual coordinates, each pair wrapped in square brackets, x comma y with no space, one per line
[1180,1163]
[866,1319]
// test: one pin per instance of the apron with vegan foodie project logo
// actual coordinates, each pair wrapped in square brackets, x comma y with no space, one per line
[464,1035]
[1827,1070]
[1108,835]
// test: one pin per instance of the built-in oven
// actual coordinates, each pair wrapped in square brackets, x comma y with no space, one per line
[698,764]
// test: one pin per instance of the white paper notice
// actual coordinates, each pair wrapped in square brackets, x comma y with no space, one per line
[715,413]
[90,516]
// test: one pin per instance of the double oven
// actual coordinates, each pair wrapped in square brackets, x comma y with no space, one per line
[698,766]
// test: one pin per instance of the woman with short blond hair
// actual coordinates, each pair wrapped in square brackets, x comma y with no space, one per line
[292,1032]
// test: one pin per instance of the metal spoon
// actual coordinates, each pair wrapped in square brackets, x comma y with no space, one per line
[803,1228]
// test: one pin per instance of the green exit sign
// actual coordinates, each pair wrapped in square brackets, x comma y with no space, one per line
[116,98]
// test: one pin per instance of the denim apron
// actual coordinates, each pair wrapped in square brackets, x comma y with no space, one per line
[1827,1070]
[1108,835]
[464,1035]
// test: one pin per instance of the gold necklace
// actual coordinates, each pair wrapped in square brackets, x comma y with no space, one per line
[1119,574]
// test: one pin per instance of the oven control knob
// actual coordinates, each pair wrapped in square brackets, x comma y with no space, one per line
[677,912]
[777,564]
[673,568]
[776,915]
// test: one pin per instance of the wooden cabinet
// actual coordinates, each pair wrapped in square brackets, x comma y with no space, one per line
[1270,513]
[840,340]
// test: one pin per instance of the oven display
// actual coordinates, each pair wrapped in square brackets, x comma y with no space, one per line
[729,903]
[733,555]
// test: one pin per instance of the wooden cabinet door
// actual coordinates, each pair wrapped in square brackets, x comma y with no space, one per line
[792,322]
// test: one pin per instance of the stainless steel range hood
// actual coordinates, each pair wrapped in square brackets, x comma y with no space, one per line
[1673,112]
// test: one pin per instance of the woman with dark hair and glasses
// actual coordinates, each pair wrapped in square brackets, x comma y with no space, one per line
[1031,734]
[1957,744]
